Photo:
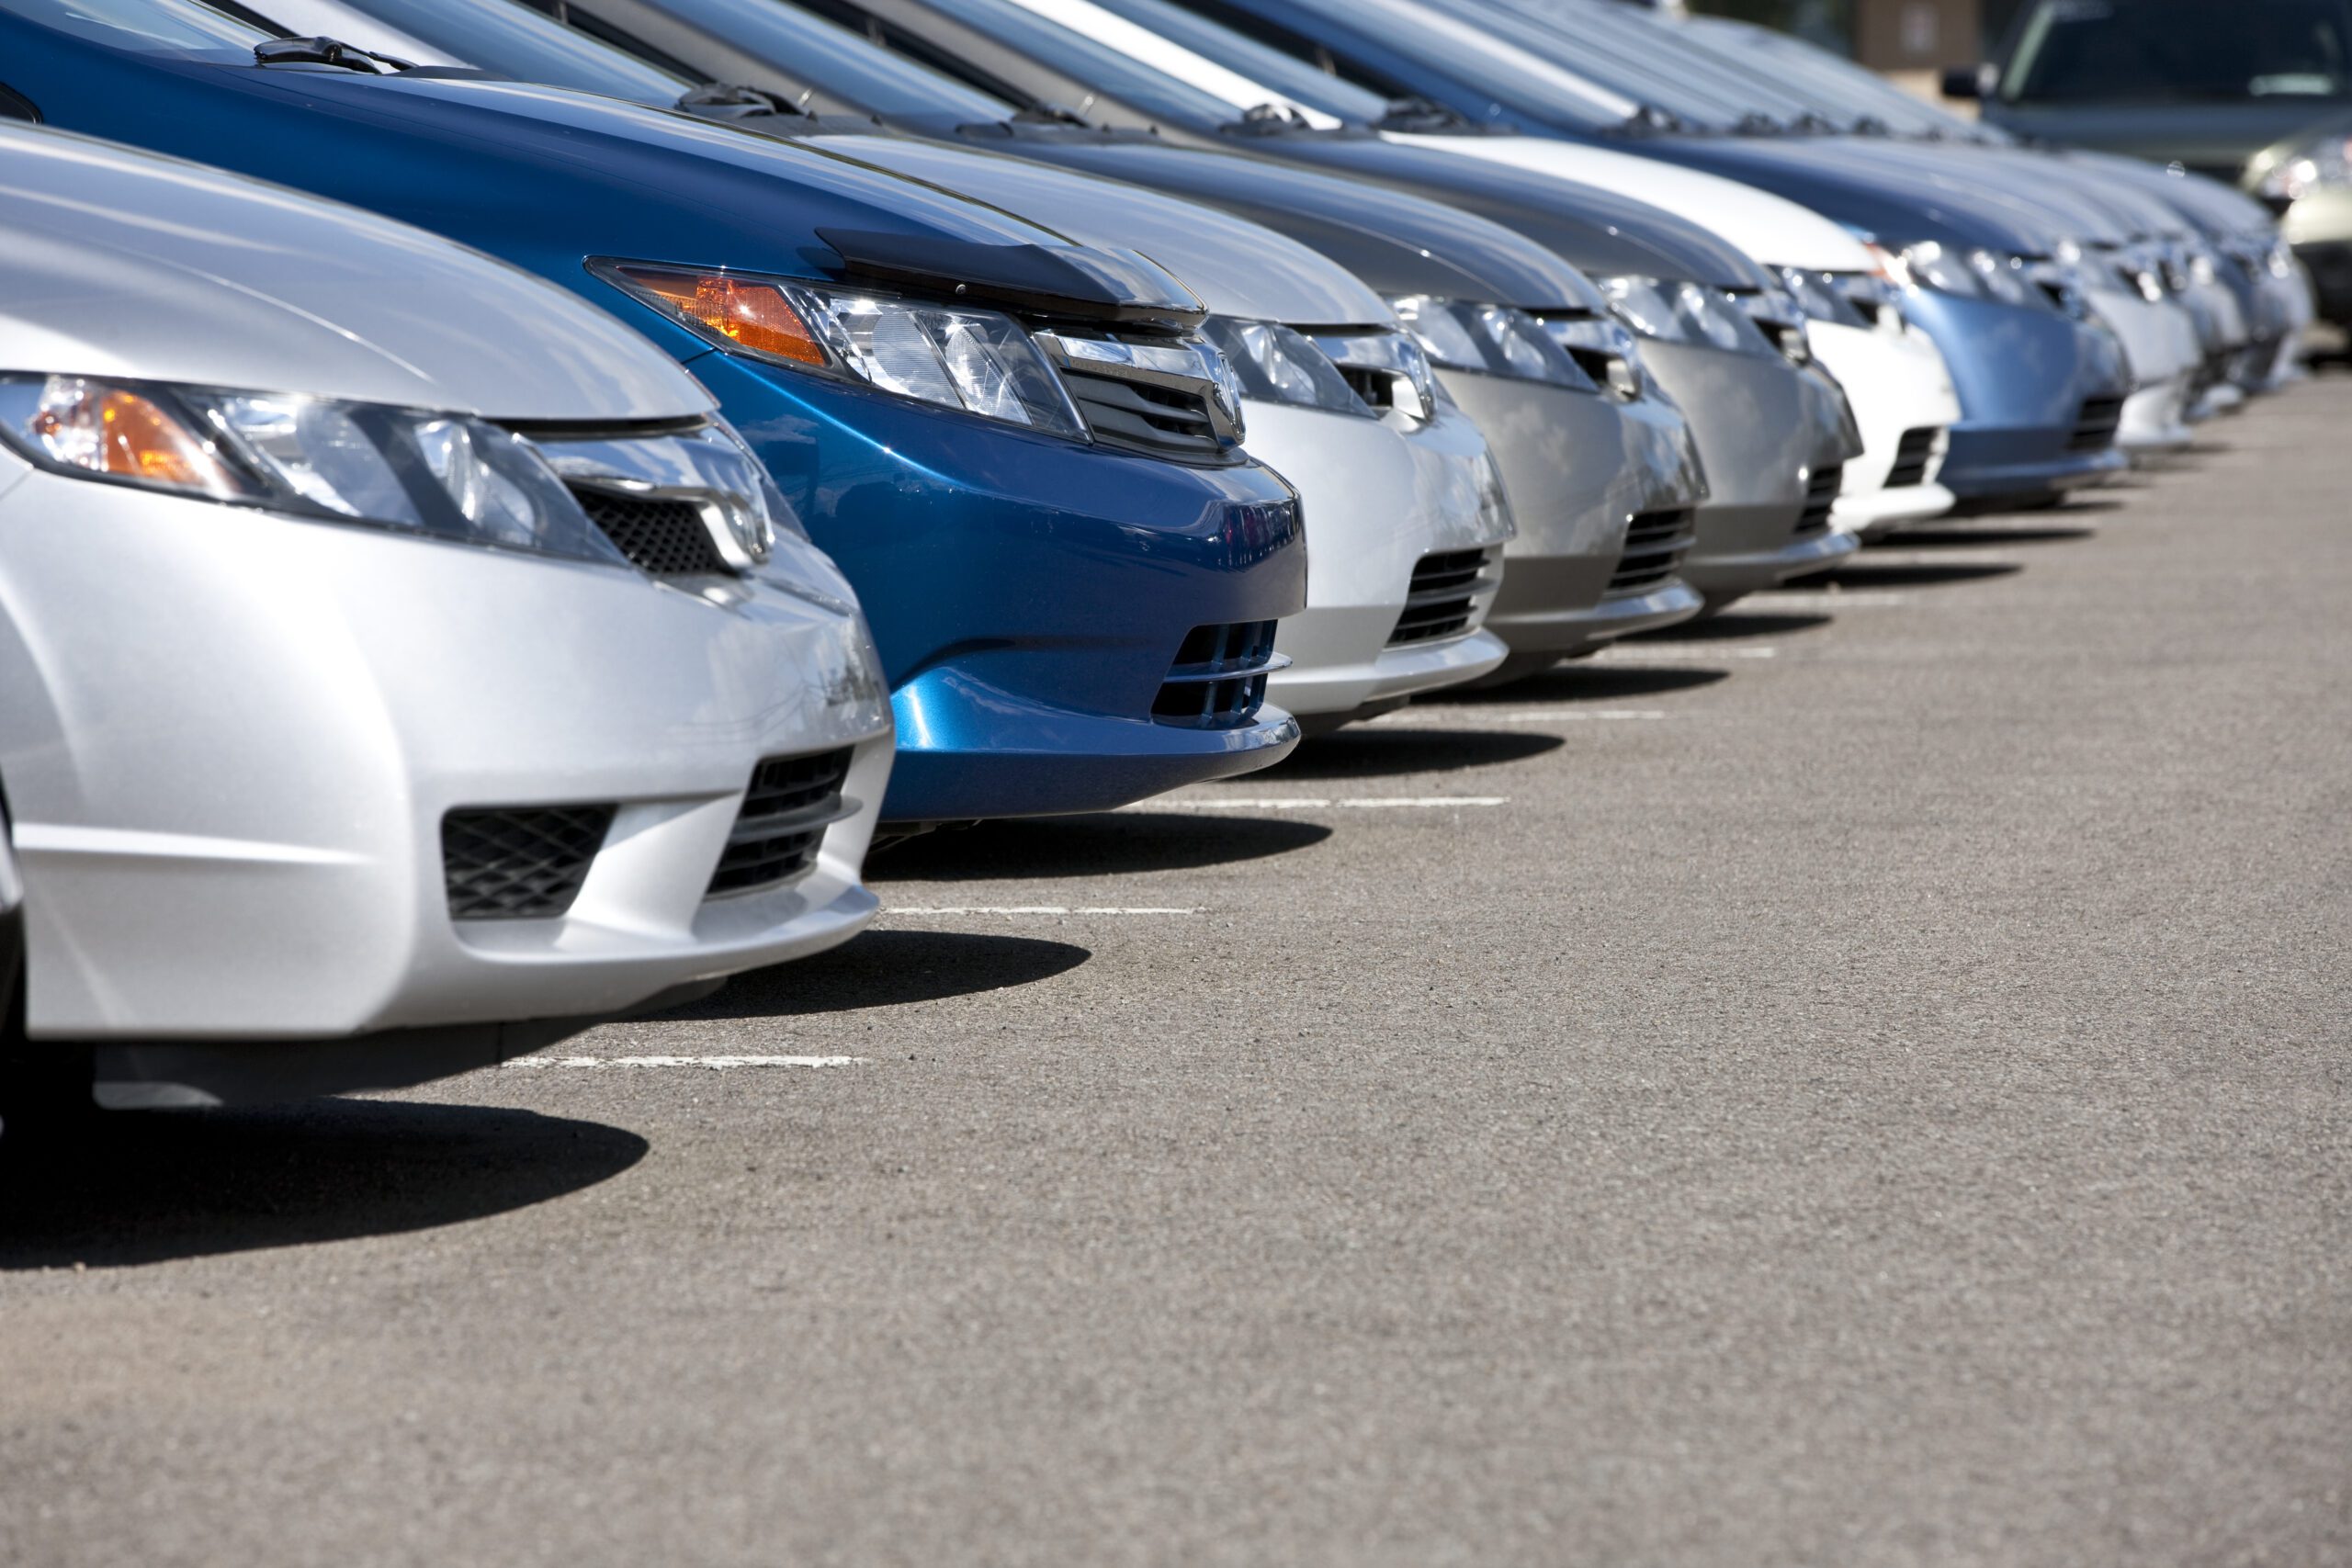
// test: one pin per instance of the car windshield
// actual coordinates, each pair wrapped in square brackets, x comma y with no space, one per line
[1291,81]
[515,41]
[845,66]
[147,27]
[1644,58]
[2170,52]
[1102,67]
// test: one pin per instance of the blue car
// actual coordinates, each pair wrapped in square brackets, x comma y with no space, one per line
[2042,392]
[1015,447]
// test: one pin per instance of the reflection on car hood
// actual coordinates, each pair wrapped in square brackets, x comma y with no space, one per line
[120,263]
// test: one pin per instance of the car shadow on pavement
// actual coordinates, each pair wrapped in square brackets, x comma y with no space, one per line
[1579,681]
[1978,538]
[886,968]
[127,1188]
[1365,753]
[1107,843]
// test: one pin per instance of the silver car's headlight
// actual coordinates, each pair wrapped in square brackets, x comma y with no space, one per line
[1274,363]
[2326,160]
[436,475]
[979,361]
[1686,313]
[1604,349]
[1493,339]
[1387,369]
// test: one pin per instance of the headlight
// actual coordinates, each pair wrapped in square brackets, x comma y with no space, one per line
[1387,370]
[1780,317]
[1684,312]
[1270,362]
[2325,162]
[2140,270]
[1604,349]
[1823,297]
[1872,296]
[436,475]
[1493,339]
[957,357]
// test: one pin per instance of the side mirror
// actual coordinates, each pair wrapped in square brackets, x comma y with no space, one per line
[1967,81]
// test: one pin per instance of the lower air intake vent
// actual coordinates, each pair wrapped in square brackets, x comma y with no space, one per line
[1444,595]
[1656,543]
[665,536]
[1218,681]
[1911,457]
[2095,426]
[1159,422]
[1820,498]
[519,862]
[786,812]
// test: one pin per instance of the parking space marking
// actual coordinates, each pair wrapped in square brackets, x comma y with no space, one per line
[1320,803]
[1434,718]
[1869,559]
[1672,652]
[710,1064]
[1828,598]
[1035,910]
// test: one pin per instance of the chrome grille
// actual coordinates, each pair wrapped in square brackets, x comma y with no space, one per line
[664,535]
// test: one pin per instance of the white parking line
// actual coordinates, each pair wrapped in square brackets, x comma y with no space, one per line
[1431,718]
[1825,599]
[710,1064]
[1034,909]
[1320,803]
[1869,559]
[1670,653]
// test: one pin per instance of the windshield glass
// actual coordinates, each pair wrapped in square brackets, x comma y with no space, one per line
[845,66]
[1289,80]
[1639,56]
[1837,82]
[515,40]
[147,27]
[1101,67]
[2172,51]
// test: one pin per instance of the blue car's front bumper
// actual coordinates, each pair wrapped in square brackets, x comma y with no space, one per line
[1030,596]
[2039,396]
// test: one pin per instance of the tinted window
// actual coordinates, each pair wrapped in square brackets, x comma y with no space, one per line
[513,41]
[838,61]
[1101,67]
[149,27]
[2160,52]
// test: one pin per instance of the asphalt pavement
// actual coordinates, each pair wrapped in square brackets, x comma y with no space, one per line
[1862,1082]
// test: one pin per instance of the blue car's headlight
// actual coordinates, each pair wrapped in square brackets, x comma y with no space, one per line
[1967,275]
[409,471]
[979,361]
[1493,339]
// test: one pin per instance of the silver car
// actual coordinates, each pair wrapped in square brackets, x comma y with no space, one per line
[400,665]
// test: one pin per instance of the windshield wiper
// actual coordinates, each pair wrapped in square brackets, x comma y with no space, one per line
[1048,114]
[1648,120]
[326,51]
[729,100]
[1410,115]
[1269,120]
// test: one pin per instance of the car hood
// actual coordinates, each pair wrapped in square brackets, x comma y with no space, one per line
[1236,267]
[121,263]
[1836,177]
[2210,138]
[1397,244]
[1771,229]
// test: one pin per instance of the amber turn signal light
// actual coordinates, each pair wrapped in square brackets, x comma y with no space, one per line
[755,315]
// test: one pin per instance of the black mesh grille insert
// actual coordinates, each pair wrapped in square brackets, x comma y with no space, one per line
[1444,595]
[2095,426]
[1218,681]
[665,536]
[1911,457]
[1820,497]
[790,803]
[1159,422]
[519,862]
[1656,543]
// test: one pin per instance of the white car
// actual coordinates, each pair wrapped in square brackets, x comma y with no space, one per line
[401,667]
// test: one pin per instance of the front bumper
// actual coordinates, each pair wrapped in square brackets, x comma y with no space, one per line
[230,824]
[1897,386]
[2161,348]
[1764,428]
[1579,468]
[1376,496]
[1029,595]
[2025,375]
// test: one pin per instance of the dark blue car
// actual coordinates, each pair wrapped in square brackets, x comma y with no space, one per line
[1011,445]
